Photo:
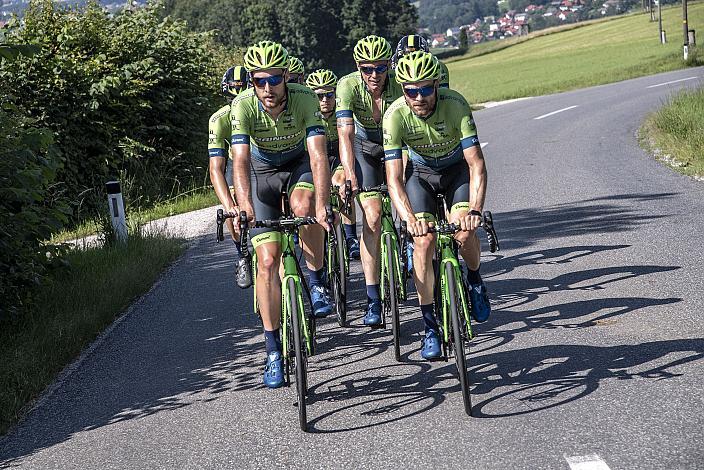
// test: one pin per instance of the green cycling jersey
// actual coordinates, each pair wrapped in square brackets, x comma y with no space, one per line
[330,124]
[354,100]
[436,141]
[219,132]
[444,76]
[276,141]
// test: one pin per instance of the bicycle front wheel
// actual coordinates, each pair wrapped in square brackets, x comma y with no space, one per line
[458,339]
[299,345]
[339,285]
[392,294]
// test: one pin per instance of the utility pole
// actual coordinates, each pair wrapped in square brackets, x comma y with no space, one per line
[685,27]
[662,35]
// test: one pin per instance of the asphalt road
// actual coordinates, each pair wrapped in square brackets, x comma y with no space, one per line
[595,346]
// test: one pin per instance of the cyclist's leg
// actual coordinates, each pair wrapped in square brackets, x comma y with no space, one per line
[302,201]
[421,190]
[455,182]
[457,195]
[421,195]
[267,183]
[369,172]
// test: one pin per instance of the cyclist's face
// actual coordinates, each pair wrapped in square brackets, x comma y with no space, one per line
[296,78]
[326,98]
[374,79]
[421,105]
[271,96]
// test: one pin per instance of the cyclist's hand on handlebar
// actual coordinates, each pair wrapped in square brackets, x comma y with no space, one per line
[469,222]
[322,217]
[247,207]
[234,211]
[417,228]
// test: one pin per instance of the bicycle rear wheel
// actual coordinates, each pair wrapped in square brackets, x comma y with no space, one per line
[339,285]
[392,294]
[458,339]
[300,361]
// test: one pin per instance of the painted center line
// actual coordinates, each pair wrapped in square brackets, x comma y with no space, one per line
[555,112]
[671,82]
[586,462]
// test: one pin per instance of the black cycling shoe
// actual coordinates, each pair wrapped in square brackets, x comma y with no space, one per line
[243,274]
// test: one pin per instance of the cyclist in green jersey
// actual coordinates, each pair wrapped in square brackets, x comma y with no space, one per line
[323,83]
[416,42]
[362,99]
[444,156]
[219,132]
[296,71]
[278,145]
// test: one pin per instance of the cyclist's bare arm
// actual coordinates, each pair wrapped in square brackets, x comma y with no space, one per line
[477,181]
[345,133]
[397,190]
[240,177]
[217,178]
[317,149]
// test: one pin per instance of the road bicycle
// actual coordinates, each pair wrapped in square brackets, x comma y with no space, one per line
[452,308]
[393,278]
[298,328]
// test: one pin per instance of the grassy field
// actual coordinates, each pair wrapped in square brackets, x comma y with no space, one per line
[603,52]
[675,133]
[70,311]
[186,202]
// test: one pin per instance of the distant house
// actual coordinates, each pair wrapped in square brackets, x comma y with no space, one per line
[438,39]
[453,32]
[493,27]
[531,8]
[489,19]
[564,15]
[520,17]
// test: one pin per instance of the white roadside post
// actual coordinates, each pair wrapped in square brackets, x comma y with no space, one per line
[116,206]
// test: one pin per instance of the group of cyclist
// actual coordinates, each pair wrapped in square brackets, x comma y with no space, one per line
[285,132]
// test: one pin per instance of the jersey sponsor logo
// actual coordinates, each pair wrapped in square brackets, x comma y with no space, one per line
[278,138]
[236,123]
[440,126]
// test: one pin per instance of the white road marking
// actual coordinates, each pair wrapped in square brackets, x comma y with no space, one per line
[483,144]
[671,82]
[555,112]
[586,462]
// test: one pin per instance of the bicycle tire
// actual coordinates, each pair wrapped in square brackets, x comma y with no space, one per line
[457,337]
[392,283]
[340,284]
[300,365]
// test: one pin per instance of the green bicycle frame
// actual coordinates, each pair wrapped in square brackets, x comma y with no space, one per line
[388,230]
[446,254]
[291,270]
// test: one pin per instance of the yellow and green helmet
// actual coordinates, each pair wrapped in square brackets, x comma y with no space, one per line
[417,67]
[295,65]
[321,78]
[266,55]
[372,48]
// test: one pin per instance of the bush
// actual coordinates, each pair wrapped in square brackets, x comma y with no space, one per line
[125,97]
[28,167]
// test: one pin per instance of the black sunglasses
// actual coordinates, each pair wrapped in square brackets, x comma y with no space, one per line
[379,69]
[329,95]
[272,80]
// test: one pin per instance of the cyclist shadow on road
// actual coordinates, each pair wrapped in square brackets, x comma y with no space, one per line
[533,379]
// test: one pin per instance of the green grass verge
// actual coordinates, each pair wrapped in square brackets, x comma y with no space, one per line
[675,133]
[603,52]
[68,313]
[193,200]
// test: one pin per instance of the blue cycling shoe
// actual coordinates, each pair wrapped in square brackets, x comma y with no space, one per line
[274,370]
[481,308]
[431,345]
[353,248]
[373,315]
[322,307]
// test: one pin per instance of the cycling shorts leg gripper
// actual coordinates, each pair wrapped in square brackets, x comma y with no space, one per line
[427,216]
[361,197]
[459,207]
[266,237]
[301,176]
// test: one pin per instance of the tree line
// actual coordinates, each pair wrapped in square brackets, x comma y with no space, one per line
[322,33]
